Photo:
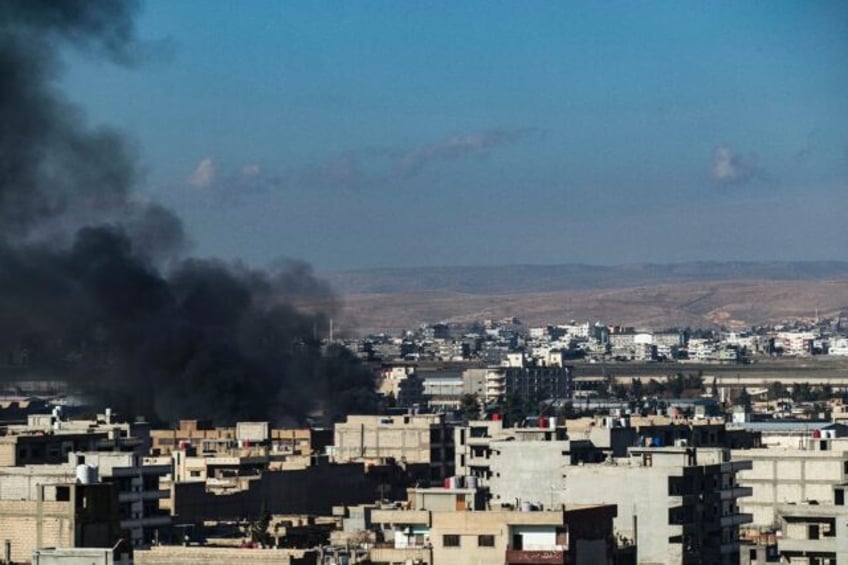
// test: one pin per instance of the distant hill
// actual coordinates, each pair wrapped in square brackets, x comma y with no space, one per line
[551,278]
[702,294]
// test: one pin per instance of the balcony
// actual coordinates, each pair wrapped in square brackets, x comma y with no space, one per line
[735,492]
[735,466]
[535,557]
[821,545]
[736,520]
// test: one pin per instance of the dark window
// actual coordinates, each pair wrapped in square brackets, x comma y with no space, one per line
[450,540]
[813,531]
[486,541]
[839,497]
[63,494]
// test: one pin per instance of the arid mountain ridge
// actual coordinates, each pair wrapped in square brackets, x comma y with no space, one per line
[695,294]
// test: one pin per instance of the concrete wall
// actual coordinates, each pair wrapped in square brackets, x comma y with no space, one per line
[641,494]
[401,437]
[30,525]
[788,475]
[178,555]
[529,471]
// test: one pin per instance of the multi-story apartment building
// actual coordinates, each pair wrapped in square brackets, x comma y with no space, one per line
[422,440]
[677,504]
[431,530]
[103,450]
[813,534]
[49,509]
[807,472]
[257,437]
[529,382]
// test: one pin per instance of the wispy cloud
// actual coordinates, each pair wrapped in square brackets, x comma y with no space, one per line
[455,147]
[356,169]
[347,170]
[204,173]
[731,167]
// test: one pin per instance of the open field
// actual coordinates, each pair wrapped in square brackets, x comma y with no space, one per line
[734,304]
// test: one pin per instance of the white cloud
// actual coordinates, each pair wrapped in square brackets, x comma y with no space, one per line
[251,170]
[730,167]
[204,173]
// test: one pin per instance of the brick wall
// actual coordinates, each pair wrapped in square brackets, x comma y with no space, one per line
[177,555]
[19,523]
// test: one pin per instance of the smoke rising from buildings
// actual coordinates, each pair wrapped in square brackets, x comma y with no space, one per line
[92,285]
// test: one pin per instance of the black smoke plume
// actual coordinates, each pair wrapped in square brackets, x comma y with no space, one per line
[92,286]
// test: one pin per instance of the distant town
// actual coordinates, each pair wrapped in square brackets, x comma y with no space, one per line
[577,442]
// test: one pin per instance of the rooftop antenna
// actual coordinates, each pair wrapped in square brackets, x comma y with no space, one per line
[331,330]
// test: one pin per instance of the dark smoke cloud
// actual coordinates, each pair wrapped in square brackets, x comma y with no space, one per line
[92,286]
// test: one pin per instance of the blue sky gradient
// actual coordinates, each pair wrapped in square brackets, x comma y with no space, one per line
[359,134]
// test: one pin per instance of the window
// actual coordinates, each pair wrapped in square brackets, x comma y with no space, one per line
[486,541]
[63,494]
[450,540]
[813,531]
[839,497]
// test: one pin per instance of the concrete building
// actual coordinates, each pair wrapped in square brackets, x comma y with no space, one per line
[104,450]
[414,439]
[314,490]
[677,504]
[136,487]
[784,475]
[58,514]
[528,382]
[418,534]
[813,534]
[256,437]
[46,439]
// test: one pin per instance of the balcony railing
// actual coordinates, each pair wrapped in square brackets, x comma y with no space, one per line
[535,557]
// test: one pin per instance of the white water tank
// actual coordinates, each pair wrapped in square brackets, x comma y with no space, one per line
[471,482]
[86,474]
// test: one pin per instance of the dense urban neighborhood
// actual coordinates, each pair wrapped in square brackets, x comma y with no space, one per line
[498,443]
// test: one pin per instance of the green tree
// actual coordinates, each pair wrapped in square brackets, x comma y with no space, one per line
[515,409]
[470,407]
[777,390]
[744,399]
[636,388]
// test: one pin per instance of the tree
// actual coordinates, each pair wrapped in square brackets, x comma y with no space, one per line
[636,388]
[257,529]
[515,409]
[777,390]
[744,399]
[470,407]
[566,411]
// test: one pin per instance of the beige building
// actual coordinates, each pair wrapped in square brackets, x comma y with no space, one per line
[253,437]
[813,534]
[60,514]
[677,504]
[419,439]
[580,534]
[777,476]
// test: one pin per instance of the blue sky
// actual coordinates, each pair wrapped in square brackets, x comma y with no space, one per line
[361,134]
